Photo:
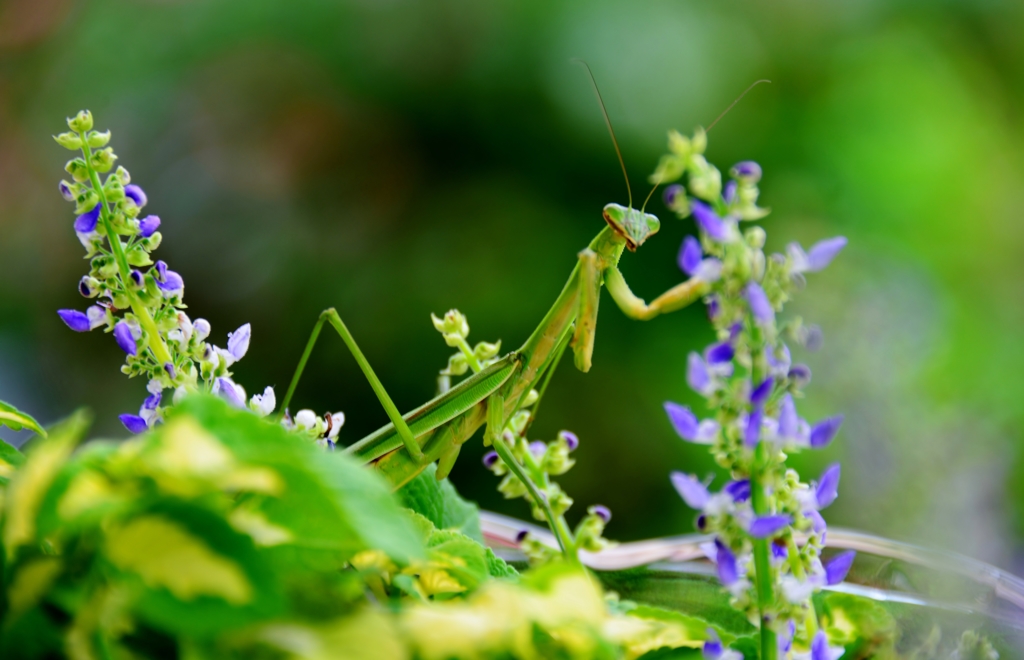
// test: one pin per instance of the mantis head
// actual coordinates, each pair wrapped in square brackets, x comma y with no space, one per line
[632,225]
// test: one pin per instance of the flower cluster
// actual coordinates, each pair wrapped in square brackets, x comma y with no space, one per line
[541,460]
[766,526]
[141,302]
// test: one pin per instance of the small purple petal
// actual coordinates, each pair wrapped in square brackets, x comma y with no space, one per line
[713,646]
[761,393]
[538,449]
[671,194]
[683,420]
[812,337]
[765,526]
[230,391]
[824,431]
[728,573]
[828,486]
[161,269]
[779,550]
[97,316]
[602,512]
[169,368]
[172,283]
[785,638]
[86,222]
[693,492]
[702,522]
[709,222]
[788,420]
[690,255]
[490,458]
[136,277]
[151,402]
[729,192]
[149,225]
[752,434]
[238,341]
[738,490]
[124,339]
[76,320]
[838,567]
[747,169]
[135,193]
[817,522]
[759,305]
[65,191]
[697,376]
[571,441]
[521,535]
[133,423]
[823,252]
[714,307]
[820,649]
[720,353]
[801,374]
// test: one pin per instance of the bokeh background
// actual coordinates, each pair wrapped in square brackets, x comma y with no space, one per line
[395,158]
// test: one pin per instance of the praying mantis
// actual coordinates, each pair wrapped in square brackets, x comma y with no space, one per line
[436,431]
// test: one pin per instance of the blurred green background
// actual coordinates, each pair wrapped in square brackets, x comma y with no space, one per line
[395,158]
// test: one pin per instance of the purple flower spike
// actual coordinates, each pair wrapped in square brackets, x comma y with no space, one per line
[728,572]
[76,320]
[752,434]
[709,222]
[238,341]
[836,570]
[602,512]
[690,255]
[824,431]
[697,376]
[761,393]
[828,486]
[571,441]
[822,253]
[764,526]
[65,191]
[693,492]
[738,490]
[124,339]
[134,423]
[86,222]
[759,305]
[490,458]
[720,353]
[149,225]
[135,193]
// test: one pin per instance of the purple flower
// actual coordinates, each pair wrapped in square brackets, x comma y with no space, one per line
[713,646]
[148,225]
[76,320]
[571,441]
[169,281]
[785,638]
[759,305]
[738,490]
[693,492]
[490,458]
[828,486]
[788,420]
[761,393]
[690,255]
[136,277]
[778,364]
[779,550]
[838,567]
[231,391]
[801,374]
[818,257]
[238,341]
[86,222]
[824,431]
[134,423]
[721,353]
[747,171]
[672,194]
[697,376]
[820,649]
[709,222]
[752,432]
[65,191]
[811,337]
[764,526]
[729,192]
[714,307]
[123,337]
[521,535]
[602,512]
[152,401]
[817,522]
[538,449]
[688,426]
[135,193]
[728,572]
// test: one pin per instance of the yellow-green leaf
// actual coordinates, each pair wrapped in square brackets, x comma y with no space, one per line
[17,420]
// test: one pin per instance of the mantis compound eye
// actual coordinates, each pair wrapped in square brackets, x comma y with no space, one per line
[653,224]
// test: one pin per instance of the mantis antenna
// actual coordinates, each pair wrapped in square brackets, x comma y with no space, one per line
[608,123]
[712,125]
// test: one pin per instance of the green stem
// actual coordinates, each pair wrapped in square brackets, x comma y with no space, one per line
[156,342]
[474,363]
[560,527]
[759,501]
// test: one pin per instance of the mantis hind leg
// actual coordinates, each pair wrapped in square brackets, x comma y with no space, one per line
[331,316]
[589,284]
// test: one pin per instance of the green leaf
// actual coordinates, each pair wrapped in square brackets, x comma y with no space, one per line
[17,420]
[863,626]
[441,504]
[498,567]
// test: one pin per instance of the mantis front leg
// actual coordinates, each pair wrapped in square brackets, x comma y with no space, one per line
[331,316]
[676,298]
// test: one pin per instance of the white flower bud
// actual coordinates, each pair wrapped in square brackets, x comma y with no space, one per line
[201,328]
